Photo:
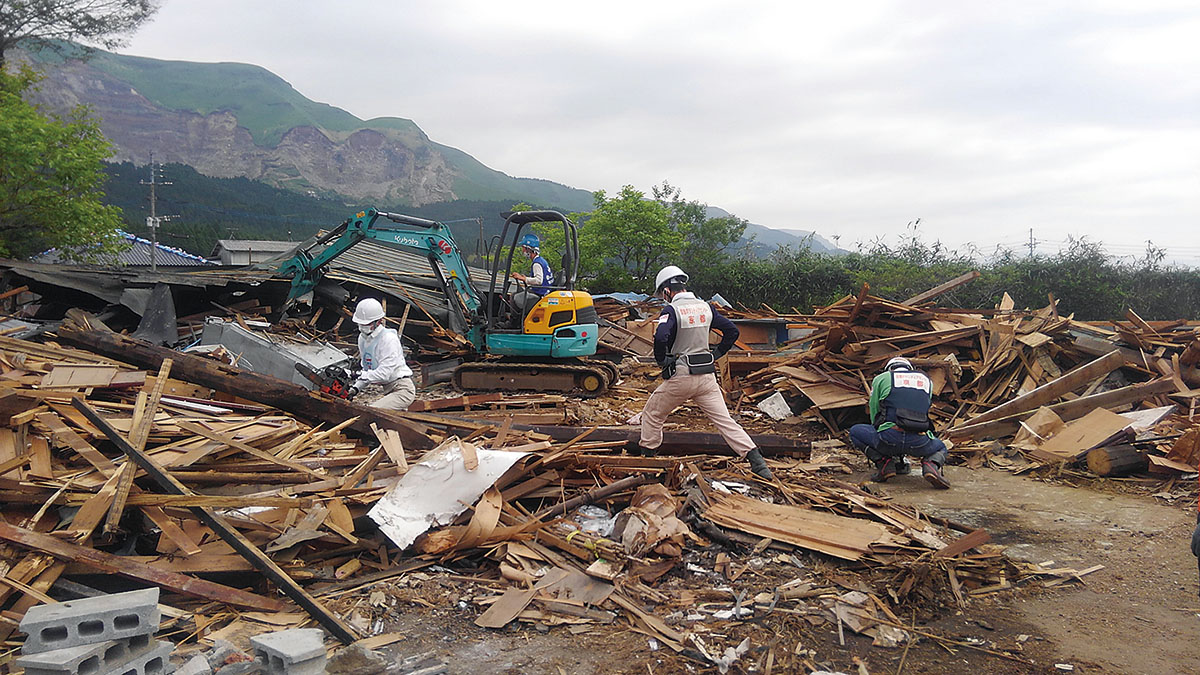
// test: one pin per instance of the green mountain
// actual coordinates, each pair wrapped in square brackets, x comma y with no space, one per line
[206,209]
[237,120]
[252,158]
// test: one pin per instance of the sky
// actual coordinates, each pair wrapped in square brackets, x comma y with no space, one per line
[990,122]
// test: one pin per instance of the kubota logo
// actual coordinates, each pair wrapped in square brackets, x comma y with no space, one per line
[444,246]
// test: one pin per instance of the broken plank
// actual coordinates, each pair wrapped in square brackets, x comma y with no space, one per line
[121,565]
[457,402]
[1055,388]
[1067,410]
[64,435]
[211,435]
[963,544]
[390,441]
[943,288]
[333,623]
[256,387]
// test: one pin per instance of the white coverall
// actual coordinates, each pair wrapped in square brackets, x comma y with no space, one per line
[383,364]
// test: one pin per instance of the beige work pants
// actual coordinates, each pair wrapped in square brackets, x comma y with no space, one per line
[399,396]
[706,393]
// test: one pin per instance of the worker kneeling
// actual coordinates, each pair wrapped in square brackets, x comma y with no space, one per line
[899,405]
[382,359]
[689,368]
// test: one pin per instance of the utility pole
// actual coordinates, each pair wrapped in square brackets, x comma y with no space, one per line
[154,220]
[1032,243]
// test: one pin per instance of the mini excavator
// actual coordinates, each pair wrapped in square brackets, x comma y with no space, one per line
[545,349]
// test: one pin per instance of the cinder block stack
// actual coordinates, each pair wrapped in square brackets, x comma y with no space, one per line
[105,635]
[299,651]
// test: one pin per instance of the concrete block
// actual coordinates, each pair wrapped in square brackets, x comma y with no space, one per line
[90,620]
[313,666]
[84,659]
[157,661]
[291,652]
[197,665]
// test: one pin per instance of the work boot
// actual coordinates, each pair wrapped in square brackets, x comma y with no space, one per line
[903,466]
[933,474]
[885,469]
[635,449]
[759,465]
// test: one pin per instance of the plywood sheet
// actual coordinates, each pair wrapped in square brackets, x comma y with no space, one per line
[1085,433]
[829,533]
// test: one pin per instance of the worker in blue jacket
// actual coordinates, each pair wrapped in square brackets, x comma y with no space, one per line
[540,279]
[900,427]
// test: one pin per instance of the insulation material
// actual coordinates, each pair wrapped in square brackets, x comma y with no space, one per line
[437,489]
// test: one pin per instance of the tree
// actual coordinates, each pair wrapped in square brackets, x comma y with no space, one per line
[706,241]
[626,239]
[51,175]
[51,22]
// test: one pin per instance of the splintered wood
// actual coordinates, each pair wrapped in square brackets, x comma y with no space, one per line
[310,508]
[992,371]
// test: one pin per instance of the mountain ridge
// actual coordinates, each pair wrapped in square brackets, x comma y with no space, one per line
[238,120]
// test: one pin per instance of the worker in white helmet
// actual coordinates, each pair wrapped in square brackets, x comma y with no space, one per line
[681,347]
[900,426]
[382,359]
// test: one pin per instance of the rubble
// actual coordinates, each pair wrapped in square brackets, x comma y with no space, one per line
[222,487]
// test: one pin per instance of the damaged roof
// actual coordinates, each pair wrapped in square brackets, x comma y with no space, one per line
[138,255]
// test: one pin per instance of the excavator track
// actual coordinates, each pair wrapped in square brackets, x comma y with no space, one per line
[583,378]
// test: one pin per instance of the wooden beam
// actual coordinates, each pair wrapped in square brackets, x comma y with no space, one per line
[674,442]
[256,387]
[943,288]
[1067,410]
[333,623]
[1055,388]
[211,435]
[115,564]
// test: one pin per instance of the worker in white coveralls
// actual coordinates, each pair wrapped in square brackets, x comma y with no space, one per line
[689,368]
[382,359]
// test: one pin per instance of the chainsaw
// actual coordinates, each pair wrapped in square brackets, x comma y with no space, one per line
[332,380]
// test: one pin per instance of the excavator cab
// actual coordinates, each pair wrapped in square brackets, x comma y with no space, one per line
[563,322]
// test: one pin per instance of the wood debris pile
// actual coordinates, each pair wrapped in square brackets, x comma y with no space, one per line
[1020,376]
[122,460]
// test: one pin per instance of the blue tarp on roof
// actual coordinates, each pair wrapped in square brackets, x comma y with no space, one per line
[138,255]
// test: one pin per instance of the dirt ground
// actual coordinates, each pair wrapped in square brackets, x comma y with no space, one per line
[1140,614]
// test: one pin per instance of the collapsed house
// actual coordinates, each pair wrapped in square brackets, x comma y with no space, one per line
[249,500]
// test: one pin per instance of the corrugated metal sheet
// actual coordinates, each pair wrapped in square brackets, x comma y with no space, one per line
[404,276]
[397,273]
[254,245]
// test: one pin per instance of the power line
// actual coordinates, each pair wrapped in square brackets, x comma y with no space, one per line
[154,220]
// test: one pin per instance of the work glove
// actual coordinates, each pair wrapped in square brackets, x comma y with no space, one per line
[352,392]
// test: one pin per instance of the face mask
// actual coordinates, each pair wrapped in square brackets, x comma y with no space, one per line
[366,329]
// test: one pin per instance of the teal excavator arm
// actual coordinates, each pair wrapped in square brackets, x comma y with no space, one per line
[416,235]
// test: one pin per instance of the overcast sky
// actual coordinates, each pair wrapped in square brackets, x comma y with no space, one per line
[852,119]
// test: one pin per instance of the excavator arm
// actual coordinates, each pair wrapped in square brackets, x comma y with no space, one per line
[427,238]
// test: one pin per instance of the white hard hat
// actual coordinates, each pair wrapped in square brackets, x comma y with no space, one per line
[369,310]
[898,362]
[668,274]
